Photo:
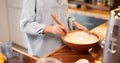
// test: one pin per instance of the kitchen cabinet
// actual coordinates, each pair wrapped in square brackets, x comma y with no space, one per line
[4,31]
[90,9]
[10,11]
[16,35]
[14,13]
[15,4]
[99,14]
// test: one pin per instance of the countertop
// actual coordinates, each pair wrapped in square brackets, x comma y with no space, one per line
[100,14]
[65,55]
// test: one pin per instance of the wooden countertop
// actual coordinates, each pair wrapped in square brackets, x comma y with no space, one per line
[100,30]
[65,55]
[100,14]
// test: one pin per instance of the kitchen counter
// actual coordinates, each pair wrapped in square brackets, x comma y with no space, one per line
[100,14]
[65,54]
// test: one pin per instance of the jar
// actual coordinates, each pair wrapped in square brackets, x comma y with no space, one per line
[100,3]
[110,3]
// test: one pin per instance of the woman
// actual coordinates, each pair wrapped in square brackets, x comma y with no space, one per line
[41,30]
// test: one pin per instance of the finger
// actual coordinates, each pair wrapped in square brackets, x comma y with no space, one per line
[60,31]
[82,28]
[57,30]
[63,28]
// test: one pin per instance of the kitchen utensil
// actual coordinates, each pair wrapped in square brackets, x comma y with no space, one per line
[58,22]
[111,53]
[81,47]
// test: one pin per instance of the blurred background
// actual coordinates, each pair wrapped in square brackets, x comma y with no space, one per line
[10,11]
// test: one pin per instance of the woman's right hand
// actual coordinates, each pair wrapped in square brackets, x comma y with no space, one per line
[55,29]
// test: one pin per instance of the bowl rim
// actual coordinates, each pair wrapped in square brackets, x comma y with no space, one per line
[63,35]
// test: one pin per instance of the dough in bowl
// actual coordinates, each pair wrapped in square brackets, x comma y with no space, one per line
[81,37]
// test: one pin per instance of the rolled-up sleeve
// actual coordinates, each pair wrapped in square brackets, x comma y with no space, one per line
[27,20]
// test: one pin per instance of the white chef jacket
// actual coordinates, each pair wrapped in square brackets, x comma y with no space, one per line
[33,23]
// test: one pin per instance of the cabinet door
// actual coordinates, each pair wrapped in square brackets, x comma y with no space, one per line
[14,12]
[4,36]
[16,35]
[15,3]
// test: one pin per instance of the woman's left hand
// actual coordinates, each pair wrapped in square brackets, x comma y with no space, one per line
[79,26]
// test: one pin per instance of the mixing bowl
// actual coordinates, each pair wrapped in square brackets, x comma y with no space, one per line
[80,41]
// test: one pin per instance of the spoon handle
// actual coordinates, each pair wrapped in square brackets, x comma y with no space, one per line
[58,22]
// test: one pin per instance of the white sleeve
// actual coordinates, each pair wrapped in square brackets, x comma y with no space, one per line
[27,20]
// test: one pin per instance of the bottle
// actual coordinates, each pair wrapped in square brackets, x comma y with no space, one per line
[100,3]
[105,2]
[86,1]
[94,2]
[110,3]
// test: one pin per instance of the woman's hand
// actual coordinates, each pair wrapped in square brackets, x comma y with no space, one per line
[55,29]
[78,26]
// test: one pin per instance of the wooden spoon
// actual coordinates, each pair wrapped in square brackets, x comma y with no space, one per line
[58,22]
